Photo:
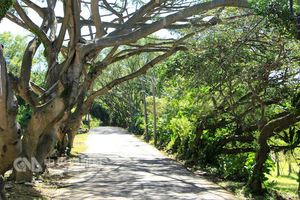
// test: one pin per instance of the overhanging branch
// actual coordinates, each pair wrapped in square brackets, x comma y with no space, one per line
[31,25]
[113,39]
[133,75]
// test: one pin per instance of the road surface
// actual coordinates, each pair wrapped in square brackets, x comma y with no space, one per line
[118,166]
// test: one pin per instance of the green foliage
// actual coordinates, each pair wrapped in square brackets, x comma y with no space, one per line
[91,123]
[277,14]
[268,167]
[24,113]
[290,137]
[213,99]
[295,102]
[100,113]
[236,167]
[286,183]
[181,129]
[4,7]
[14,47]
[213,89]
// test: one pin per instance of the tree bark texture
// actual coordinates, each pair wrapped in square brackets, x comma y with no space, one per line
[10,133]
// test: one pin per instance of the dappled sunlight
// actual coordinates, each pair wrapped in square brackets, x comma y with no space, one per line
[123,167]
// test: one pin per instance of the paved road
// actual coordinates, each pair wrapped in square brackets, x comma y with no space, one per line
[119,166]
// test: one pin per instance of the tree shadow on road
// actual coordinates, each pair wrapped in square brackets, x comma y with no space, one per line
[160,178]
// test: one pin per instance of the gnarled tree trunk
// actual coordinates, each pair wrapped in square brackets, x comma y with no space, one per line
[40,136]
[77,71]
[10,134]
[146,133]
[70,129]
[267,131]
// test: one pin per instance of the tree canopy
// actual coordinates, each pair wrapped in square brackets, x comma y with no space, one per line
[239,64]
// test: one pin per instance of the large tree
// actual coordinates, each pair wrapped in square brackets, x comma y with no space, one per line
[222,114]
[78,46]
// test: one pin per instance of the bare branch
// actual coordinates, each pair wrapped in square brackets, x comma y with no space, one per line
[16,20]
[37,89]
[133,75]
[279,124]
[32,26]
[52,22]
[74,30]
[35,7]
[111,9]
[112,40]
[96,18]
[26,71]
[65,22]
[137,16]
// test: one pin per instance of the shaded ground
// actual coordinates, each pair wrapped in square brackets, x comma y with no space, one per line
[119,166]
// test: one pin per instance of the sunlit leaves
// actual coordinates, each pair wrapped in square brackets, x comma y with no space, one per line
[14,47]
[277,13]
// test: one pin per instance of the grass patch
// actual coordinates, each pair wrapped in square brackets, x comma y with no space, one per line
[80,143]
[287,185]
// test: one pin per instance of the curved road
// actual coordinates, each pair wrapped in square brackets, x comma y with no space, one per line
[119,166]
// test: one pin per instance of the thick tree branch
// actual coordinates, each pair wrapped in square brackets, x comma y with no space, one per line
[65,22]
[137,16]
[35,7]
[37,89]
[279,124]
[96,18]
[112,10]
[32,26]
[236,151]
[236,138]
[16,20]
[25,75]
[133,75]
[139,72]
[75,32]
[52,21]
[113,40]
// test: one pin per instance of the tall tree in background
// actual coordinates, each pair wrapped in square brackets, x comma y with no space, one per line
[154,93]
[144,91]
[230,97]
